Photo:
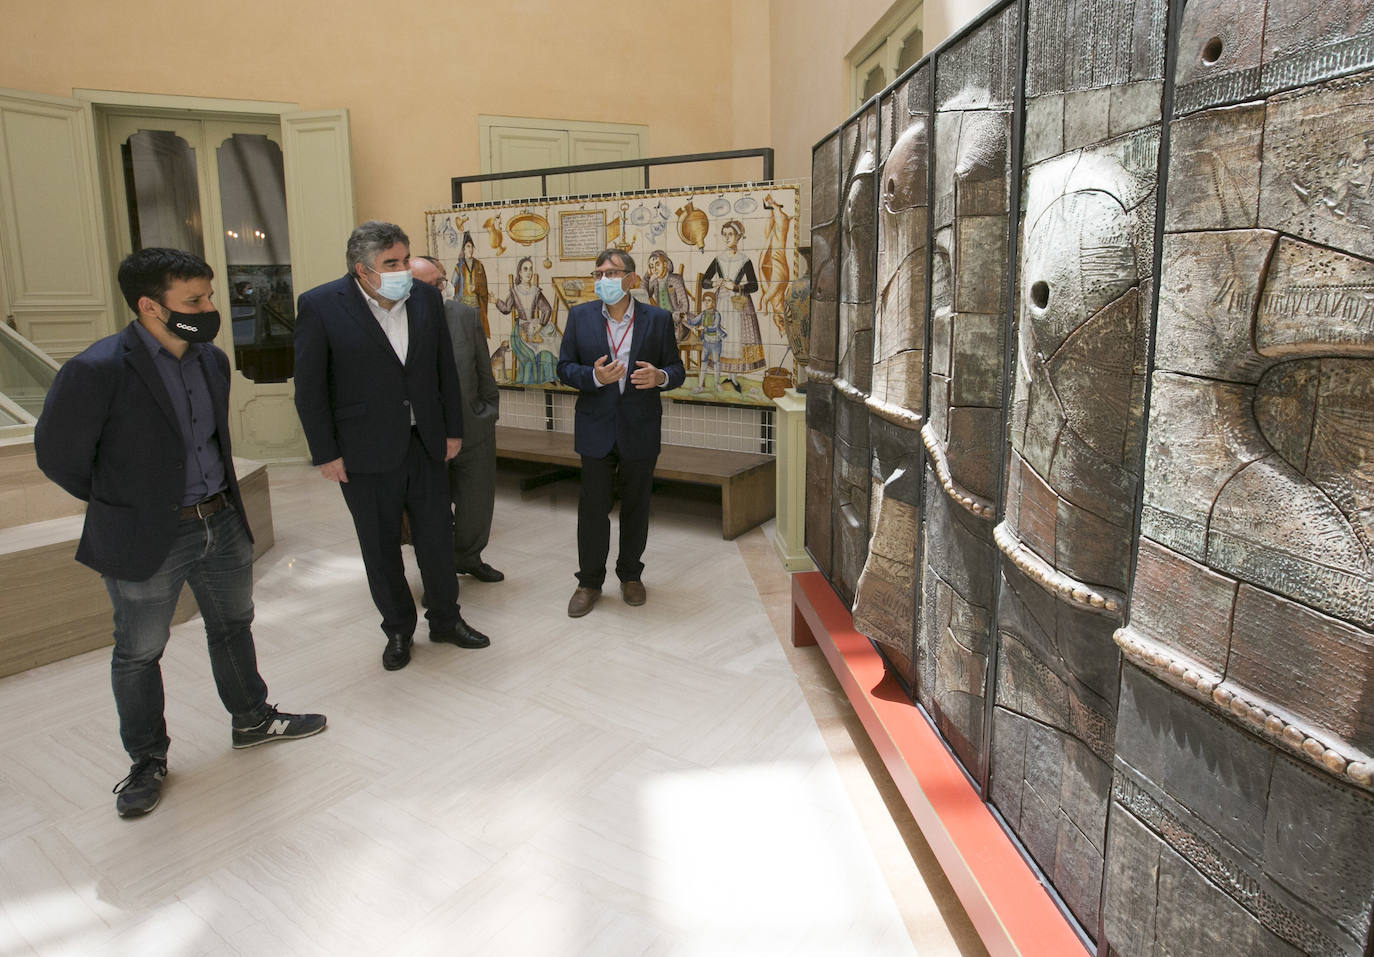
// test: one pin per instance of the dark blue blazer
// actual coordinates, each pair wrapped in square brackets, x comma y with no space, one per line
[605,417]
[355,397]
[109,435]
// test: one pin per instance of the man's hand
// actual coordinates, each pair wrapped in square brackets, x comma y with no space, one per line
[451,448]
[645,376]
[334,471]
[605,371]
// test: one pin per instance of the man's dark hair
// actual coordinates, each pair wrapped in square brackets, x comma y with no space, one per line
[626,260]
[371,238]
[150,272]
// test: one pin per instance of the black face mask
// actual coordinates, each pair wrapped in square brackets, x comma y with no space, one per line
[193,326]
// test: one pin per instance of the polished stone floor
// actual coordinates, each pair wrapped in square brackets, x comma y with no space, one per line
[669,779]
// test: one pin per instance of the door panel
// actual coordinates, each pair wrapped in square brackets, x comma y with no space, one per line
[53,272]
[319,193]
[252,240]
[605,147]
[250,191]
[515,148]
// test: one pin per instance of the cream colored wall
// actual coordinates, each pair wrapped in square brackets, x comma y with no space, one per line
[413,77]
[710,75]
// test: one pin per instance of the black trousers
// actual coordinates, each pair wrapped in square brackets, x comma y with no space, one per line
[601,479]
[376,500]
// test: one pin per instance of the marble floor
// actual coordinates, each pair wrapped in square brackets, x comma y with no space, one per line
[669,779]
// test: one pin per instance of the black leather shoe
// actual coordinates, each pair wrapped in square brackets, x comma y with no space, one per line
[483,573]
[397,654]
[461,634]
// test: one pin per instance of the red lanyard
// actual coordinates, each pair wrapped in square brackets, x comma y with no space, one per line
[610,336]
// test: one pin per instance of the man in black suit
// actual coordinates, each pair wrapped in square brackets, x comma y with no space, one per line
[137,427]
[619,354]
[472,472]
[380,403]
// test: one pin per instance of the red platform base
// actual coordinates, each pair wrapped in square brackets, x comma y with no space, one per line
[1006,902]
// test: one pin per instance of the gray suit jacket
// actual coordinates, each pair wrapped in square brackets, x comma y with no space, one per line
[481,397]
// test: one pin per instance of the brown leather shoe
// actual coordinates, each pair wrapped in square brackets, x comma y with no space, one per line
[582,601]
[633,593]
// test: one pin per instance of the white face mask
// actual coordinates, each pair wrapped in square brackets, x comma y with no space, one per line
[609,291]
[446,290]
[393,285]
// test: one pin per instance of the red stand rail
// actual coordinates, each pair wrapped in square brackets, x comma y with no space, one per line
[1006,902]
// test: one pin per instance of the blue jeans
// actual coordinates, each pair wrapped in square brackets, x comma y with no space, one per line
[216,557]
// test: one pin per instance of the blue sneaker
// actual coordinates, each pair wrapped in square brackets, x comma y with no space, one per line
[278,726]
[139,793]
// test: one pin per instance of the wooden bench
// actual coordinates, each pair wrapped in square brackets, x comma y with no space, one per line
[745,479]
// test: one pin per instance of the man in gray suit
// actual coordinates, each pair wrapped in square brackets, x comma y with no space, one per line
[472,473]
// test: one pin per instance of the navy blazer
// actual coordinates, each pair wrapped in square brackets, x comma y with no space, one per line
[109,435]
[606,417]
[355,397]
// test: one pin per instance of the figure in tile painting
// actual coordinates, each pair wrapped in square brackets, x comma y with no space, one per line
[534,335]
[732,278]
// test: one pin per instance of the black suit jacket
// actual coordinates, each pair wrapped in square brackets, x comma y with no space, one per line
[109,435]
[355,397]
[605,416]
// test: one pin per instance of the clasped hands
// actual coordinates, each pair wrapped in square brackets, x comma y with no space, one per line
[645,375]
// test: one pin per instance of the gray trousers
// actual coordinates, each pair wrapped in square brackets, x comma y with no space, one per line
[472,487]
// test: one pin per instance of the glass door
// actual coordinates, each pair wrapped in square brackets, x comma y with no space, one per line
[215,186]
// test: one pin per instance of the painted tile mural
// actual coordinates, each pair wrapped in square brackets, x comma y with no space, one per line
[723,261]
[1097,437]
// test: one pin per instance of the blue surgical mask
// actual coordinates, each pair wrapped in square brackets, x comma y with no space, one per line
[609,291]
[393,285]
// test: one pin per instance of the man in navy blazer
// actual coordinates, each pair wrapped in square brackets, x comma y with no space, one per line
[137,427]
[378,397]
[620,355]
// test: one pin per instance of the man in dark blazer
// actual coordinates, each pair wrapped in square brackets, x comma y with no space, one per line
[137,427]
[472,472]
[378,397]
[619,354]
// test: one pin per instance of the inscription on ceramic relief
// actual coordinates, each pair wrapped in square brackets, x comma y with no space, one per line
[1318,159]
[979,71]
[1230,50]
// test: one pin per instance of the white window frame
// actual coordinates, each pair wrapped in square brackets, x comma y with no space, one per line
[881,46]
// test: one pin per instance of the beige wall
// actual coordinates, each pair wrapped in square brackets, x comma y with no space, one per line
[413,77]
[709,75]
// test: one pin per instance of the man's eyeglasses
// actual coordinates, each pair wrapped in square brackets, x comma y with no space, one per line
[609,273]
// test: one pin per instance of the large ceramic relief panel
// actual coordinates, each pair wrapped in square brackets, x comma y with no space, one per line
[885,602]
[852,485]
[1243,767]
[975,93]
[720,260]
[1076,422]
[825,296]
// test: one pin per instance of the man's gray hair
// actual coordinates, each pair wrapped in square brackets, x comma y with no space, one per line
[371,238]
[625,259]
